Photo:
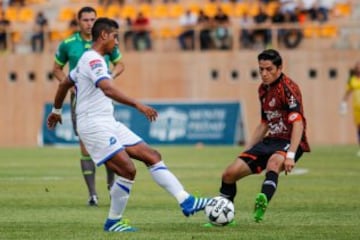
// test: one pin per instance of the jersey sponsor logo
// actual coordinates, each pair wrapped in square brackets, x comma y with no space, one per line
[277,128]
[95,64]
[292,102]
[272,115]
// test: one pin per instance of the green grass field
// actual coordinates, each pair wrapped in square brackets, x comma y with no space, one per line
[43,196]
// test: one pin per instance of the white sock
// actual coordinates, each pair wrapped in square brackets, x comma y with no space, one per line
[167,180]
[120,193]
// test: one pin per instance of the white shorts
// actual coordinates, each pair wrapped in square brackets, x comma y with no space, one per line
[104,137]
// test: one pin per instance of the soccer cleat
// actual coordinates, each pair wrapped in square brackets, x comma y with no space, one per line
[118,225]
[193,204]
[93,201]
[261,203]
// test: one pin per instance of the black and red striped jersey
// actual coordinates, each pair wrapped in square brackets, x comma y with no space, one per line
[281,101]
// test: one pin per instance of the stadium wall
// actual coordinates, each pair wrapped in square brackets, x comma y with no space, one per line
[189,76]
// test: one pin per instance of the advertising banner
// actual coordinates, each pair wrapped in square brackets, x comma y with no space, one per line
[177,123]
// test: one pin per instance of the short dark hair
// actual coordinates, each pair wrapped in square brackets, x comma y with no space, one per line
[103,24]
[85,10]
[271,55]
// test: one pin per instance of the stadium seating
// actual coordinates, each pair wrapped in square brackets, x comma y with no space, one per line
[160,11]
[26,14]
[328,31]
[100,11]
[128,11]
[146,10]
[113,11]
[228,8]
[194,7]
[176,10]
[11,13]
[342,9]
[66,14]
[164,16]
[210,9]
[311,31]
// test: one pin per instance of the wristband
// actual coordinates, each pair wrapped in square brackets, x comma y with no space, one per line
[56,111]
[290,155]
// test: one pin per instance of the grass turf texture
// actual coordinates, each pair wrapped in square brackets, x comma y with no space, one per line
[43,196]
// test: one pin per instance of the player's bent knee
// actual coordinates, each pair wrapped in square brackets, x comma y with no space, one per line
[156,155]
[275,163]
[132,172]
[152,157]
[230,175]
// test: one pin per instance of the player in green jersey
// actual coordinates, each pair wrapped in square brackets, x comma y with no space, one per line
[69,51]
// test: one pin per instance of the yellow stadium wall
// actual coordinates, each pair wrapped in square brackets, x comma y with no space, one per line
[186,76]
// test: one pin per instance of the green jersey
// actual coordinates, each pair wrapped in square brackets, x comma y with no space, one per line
[71,49]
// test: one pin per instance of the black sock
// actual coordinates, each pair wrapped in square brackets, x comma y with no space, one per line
[228,190]
[270,184]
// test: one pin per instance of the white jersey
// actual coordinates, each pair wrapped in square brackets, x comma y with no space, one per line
[90,100]
[102,135]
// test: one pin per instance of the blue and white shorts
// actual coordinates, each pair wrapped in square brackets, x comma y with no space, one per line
[104,137]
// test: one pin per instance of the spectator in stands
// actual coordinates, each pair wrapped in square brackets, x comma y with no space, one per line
[353,88]
[222,35]
[205,27]
[324,8]
[4,28]
[262,34]
[309,8]
[188,23]
[141,32]
[4,4]
[128,33]
[290,37]
[246,32]
[289,7]
[17,2]
[38,37]
[279,18]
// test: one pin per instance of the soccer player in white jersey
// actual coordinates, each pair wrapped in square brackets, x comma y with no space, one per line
[108,141]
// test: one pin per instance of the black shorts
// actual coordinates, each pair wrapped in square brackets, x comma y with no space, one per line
[257,157]
[73,113]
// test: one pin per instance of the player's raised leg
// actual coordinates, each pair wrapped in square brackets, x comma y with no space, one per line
[166,179]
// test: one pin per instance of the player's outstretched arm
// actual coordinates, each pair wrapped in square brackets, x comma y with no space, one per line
[55,116]
[296,135]
[112,92]
[58,72]
[118,69]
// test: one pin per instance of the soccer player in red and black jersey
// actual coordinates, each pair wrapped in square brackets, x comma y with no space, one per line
[278,141]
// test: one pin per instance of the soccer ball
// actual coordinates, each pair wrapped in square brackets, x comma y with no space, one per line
[219,211]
